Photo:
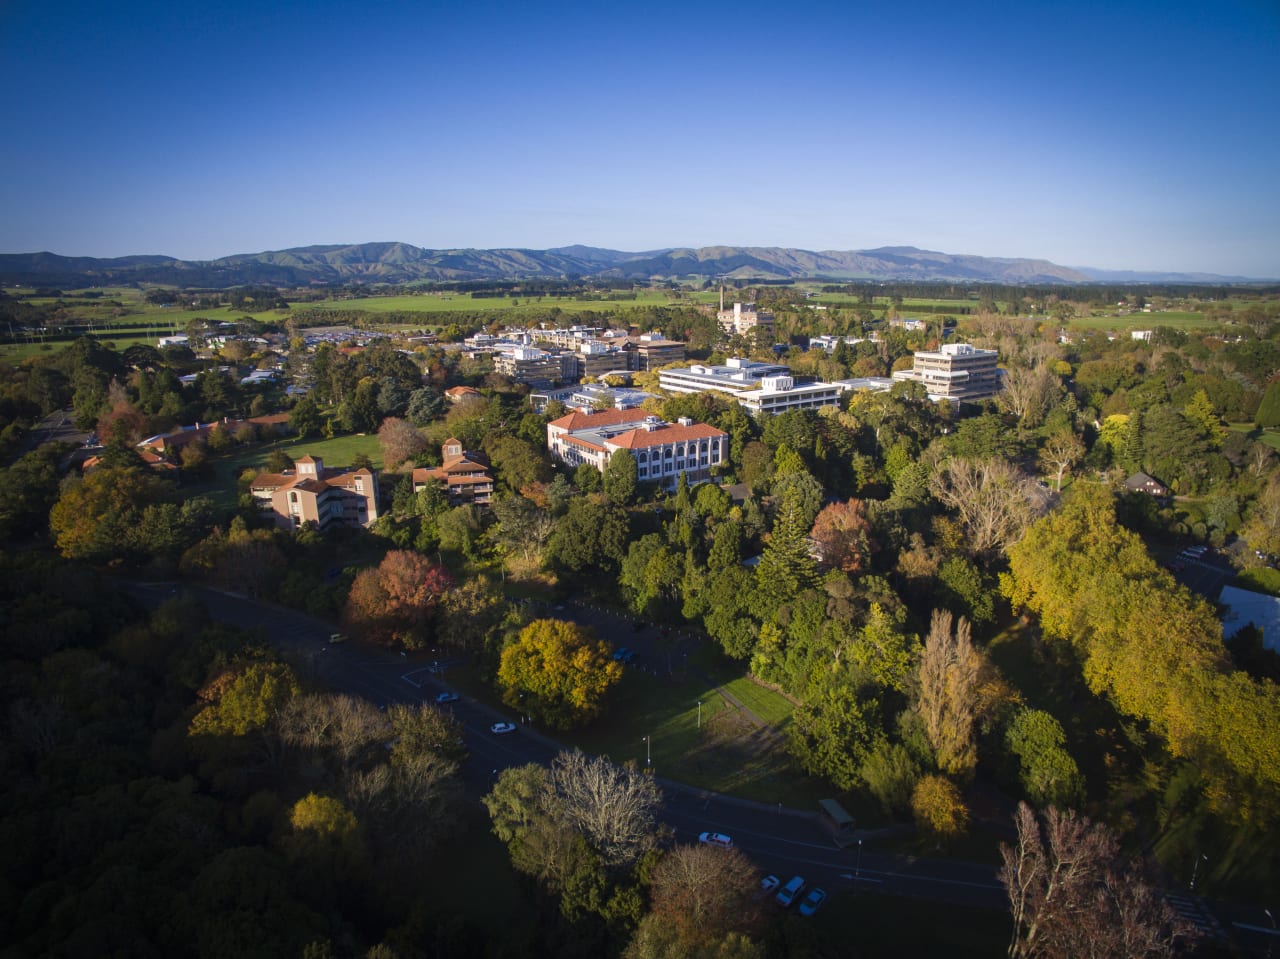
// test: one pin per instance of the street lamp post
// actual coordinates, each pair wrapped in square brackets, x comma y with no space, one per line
[857,869]
[699,713]
[648,757]
[1267,913]
[1195,869]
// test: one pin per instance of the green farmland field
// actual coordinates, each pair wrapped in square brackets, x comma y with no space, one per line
[1145,321]
[462,302]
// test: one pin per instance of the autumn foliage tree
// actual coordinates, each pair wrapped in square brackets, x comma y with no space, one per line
[558,672]
[395,603]
[950,673]
[400,441]
[843,535]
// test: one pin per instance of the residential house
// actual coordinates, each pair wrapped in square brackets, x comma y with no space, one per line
[1142,483]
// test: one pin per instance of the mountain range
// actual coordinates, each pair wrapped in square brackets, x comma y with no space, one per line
[402,263]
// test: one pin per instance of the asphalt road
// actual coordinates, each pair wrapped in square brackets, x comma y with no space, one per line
[781,841]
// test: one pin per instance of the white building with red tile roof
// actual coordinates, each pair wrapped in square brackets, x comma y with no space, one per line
[662,450]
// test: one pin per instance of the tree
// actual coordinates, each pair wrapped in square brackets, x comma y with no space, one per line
[343,728]
[994,499]
[614,807]
[96,518]
[1268,415]
[1060,452]
[249,700]
[591,538]
[1072,895]
[938,808]
[1262,529]
[704,893]
[400,441]
[517,462]
[522,528]
[950,669]
[425,404]
[621,477]
[558,672]
[424,730]
[843,535]
[834,731]
[1029,392]
[304,418]
[1048,773]
[471,614]
[395,603]
[324,835]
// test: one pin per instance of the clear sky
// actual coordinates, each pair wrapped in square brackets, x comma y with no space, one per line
[1114,134]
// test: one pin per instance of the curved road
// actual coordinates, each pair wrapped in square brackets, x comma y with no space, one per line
[781,841]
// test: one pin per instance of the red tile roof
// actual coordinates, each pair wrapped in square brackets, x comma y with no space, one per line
[642,439]
[586,421]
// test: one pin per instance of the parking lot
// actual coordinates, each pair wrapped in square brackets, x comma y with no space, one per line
[1206,574]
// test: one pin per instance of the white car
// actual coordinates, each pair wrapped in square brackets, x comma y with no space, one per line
[788,893]
[502,728]
[715,839]
[447,698]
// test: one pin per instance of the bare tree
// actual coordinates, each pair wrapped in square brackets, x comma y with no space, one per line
[704,893]
[612,806]
[1029,393]
[994,499]
[338,726]
[950,675]
[400,441]
[1060,452]
[1072,895]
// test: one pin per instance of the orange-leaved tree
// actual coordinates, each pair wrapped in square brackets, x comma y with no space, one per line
[395,602]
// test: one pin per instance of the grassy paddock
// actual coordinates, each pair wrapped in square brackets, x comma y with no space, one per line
[1145,321]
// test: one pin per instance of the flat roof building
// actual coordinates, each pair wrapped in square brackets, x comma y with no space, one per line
[957,372]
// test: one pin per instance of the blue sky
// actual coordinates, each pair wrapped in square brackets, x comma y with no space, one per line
[1120,135]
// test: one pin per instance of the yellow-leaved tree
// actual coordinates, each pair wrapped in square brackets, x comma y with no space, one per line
[557,672]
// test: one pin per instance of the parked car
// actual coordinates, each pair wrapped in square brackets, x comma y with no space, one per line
[788,893]
[447,698]
[715,839]
[620,654]
[337,638]
[768,884]
[502,728]
[813,902]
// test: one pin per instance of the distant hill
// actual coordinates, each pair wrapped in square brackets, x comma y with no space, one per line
[402,263]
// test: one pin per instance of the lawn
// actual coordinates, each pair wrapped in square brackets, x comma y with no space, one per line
[1267,437]
[713,747]
[339,451]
